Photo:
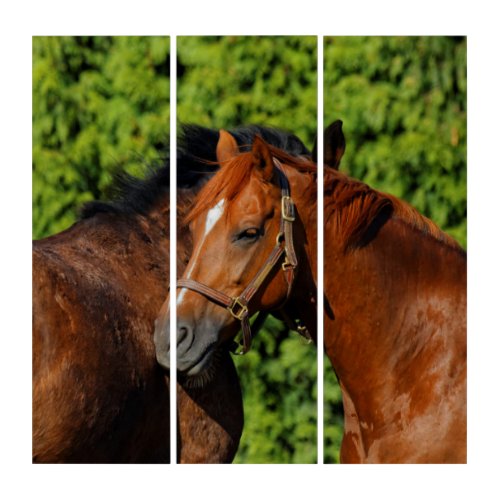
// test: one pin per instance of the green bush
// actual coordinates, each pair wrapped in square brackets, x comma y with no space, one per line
[231,81]
[100,104]
[403,101]
[278,378]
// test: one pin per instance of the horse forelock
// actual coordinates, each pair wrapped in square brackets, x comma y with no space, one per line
[353,207]
[196,149]
[227,182]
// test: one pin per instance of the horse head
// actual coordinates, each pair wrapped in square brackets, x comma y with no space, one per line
[248,247]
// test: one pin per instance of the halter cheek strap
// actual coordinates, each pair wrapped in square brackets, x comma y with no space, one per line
[238,306]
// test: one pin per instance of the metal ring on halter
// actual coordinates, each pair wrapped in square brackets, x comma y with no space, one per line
[241,312]
[286,264]
[286,201]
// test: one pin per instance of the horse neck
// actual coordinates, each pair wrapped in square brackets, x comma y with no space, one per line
[151,228]
[157,222]
[395,313]
[304,297]
[121,246]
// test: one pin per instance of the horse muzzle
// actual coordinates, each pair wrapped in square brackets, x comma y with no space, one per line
[196,345]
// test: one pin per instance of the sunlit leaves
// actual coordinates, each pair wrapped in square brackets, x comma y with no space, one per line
[403,104]
[232,81]
[99,104]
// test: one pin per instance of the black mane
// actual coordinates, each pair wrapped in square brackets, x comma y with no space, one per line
[197,145]
[196,148]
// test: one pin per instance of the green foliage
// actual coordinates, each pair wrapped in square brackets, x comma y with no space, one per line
[231,81]
[224,82]
[333,415]
[99,104]
[403,102]
[278,377]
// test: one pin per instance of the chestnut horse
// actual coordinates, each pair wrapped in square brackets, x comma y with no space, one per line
[395,323]
[395,327]
[98,395]
[395,297]
[244,214]
[196,162]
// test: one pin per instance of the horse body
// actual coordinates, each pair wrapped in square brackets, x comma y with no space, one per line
[395,328]
[98,393]
[210,417]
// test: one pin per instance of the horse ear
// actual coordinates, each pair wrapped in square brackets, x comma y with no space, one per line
[334,144]
[227,147]
[262,157]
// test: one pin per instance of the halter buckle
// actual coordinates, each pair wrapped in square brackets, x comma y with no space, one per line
[303,332]
[240,313]
[287,209]
[286,265]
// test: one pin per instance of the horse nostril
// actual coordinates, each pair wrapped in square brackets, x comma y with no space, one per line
[183,331]
[185,337]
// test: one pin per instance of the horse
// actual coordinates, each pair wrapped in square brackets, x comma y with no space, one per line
[395,323]
[98,394]
[196,160]
[245,214]
[395,296]
[394,327]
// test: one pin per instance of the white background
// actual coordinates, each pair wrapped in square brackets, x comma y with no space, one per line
[478,20]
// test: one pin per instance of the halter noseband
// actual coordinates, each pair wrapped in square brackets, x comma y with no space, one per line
[238,306]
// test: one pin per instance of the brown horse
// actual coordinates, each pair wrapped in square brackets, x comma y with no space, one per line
[98,394]
[395,327]
[243,215]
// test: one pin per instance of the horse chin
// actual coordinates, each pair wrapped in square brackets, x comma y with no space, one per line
[202,373]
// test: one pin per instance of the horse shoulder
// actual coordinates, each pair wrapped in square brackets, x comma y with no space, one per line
[94,369]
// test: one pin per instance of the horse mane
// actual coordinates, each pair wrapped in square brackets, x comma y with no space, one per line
[227,182]
[196,163]
[354,208]
[132,195]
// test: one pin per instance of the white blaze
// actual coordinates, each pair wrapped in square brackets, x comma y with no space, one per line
[213,215]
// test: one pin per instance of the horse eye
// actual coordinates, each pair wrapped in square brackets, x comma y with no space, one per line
[251,233]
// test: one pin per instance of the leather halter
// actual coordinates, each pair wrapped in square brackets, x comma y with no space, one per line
[238,306]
